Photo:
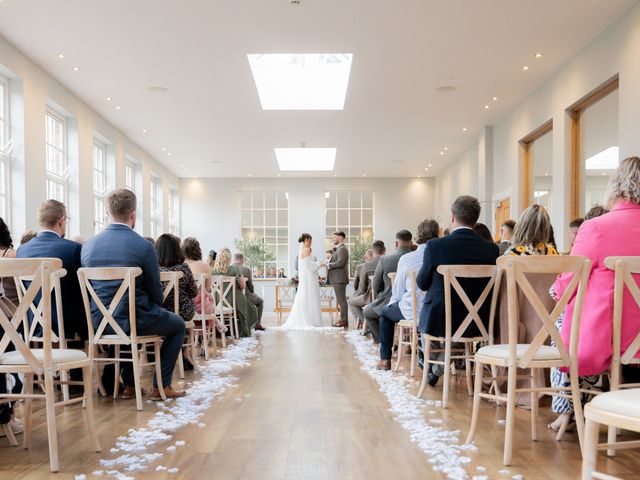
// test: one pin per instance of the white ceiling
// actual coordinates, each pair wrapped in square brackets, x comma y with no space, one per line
[402,51]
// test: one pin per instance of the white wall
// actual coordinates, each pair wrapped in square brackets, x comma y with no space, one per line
[615,51]
[31,90]
[211,207]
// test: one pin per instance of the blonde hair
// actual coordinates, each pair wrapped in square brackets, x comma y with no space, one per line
[533,227]
[50,212]
[625,182]
[223,261]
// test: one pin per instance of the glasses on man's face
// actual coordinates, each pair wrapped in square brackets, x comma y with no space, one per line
[67,219]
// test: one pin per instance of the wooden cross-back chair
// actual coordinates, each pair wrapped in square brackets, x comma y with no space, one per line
[285,295]
[329,302]
[205,324]
[222,286]
[171,281]
[452,274]
[536,354]
[110,333]
[45,361]
[409,328]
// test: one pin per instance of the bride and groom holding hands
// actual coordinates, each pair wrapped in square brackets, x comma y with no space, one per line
[306,313]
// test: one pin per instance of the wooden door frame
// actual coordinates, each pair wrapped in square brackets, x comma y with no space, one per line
[498,197]
[525,148]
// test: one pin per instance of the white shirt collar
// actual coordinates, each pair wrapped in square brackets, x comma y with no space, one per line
[51,231]
[460,228]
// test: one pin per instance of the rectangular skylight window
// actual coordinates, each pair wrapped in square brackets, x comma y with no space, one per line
[307,81]
[605,160]
[306,159]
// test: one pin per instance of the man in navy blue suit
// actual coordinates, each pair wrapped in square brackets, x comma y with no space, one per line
[50,243]
[461,247]
[120,246]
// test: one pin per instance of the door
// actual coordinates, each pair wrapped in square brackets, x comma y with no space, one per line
[503,213]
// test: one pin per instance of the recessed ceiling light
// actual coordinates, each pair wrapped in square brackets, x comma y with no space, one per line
[249,175]
[441,153]
[164,149]
[289,81]
[495,99]
[169,154]
[278,174]
[445,88]
[75,69]
[446,148]
[61,55]
[157,89]
[108,99]
[419,176]
[426,168]
[430,165]
[182,165]
[117,107]
[525,67]
[486,107]
[464,129]
[538,55]
[335,174]
[364,174]
[305,159]
[546,174]
[144,130]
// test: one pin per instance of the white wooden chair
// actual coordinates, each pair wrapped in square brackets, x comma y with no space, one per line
[284,300]
[409,328]
[624,268]
[172,284]
[126,276]
[206,322]
[373,297]
[536,354]
[226,308]
[615,409]
[452,274]
[329,302]
[45,361]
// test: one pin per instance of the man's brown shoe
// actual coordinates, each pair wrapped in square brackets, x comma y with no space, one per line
[168,392]
[129,392]
[342,324]
[384,365]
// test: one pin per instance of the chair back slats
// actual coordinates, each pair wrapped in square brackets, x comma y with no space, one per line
[327,297]
[451,274]
[126,276]
[413,288]
[285,295]
[624,268]
[41,271]
[223,285]
[172,281]
[516,268]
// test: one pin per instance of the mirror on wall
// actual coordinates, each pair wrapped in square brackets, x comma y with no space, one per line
[541,158]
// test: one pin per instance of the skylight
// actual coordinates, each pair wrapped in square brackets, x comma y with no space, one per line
[308,81]
[306,159]
[605,160]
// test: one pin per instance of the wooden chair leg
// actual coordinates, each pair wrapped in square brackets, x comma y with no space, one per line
[88,403]
[158,364]
[577,404]
[447,373]
[50,400]
[64,377]
[400,332]
[9,434]
[194,349]
[590,450]
[180,364]
[414,351]
[137,375]
[612,432]
[28,409]
[205,339]
[534,406]
[476,402]
[116,370]
[511,410]
[426,345]
[467,365]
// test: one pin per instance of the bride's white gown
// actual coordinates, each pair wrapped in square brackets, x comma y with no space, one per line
[305,312]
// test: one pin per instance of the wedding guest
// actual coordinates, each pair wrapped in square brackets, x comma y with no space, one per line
[193,258]
[250,292]
[361,284]
[595,211]
[597,239]
[532,233]
[8,291]
[400,305]
[506,235]
[574,226]
[381,283]
[26,236]
[483,231]
[460,247]
[246,312]
[119,245]
[171,259]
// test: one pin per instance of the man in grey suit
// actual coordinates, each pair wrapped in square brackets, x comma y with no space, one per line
[250,293]
[382,283]
[338,276]
[361,283]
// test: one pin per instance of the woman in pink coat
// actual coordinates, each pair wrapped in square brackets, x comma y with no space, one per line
[616,233]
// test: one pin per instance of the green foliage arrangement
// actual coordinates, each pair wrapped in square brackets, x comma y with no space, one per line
[255,255]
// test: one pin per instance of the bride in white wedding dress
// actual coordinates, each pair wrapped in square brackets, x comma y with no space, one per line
[305,312]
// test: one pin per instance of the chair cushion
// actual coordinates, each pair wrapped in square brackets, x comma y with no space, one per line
[58,355]
[502,351]
[621,402]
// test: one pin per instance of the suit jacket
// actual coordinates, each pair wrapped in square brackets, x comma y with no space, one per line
[49,244]
[361,283]
[120,246]
[504,246]
[338,267]
[246,273]
[381,282]
[461,247]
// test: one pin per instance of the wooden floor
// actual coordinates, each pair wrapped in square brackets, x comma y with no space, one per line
[307,412]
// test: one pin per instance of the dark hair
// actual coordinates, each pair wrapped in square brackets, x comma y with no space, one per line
[595,211]
[510,224]
[466,210]
[191,249]
[483,231]
[576,222]
[168,249]
[340,234]
[446,232]
[213,254]
[404,236]
[5,235]
[427,230]
[378,247]
[303,237]
[150,240]
[28,235]
[552,236]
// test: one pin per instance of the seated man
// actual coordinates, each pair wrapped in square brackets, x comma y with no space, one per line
[400,306]
[120,246]
[361,284]
[461,247]
[506,235]
[252,297]
[382,283]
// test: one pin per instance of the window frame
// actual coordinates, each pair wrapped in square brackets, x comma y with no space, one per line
[5,155]
[54,177]
[155,205]
[174,211]
[99,196]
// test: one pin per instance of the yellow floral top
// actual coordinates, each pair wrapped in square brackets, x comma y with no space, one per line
[539,249]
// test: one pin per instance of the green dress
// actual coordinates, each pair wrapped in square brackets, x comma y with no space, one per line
[247,313]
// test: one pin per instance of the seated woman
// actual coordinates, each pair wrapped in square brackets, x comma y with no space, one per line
[246,312]
[171,259]
[605,236]
[193,257]
[532,235]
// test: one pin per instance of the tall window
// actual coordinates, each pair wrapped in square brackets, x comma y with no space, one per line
[155,205]
[265,232]
[57,161]
[130,175]
[99,185]
[538,166]
[5,149]
[351,213]
[174,212]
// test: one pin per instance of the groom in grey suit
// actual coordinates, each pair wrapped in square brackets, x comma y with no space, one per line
[338,276]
